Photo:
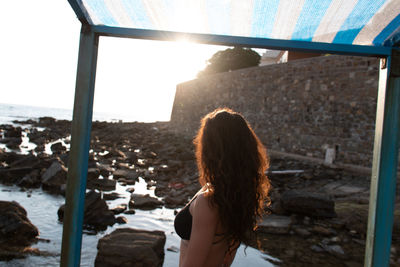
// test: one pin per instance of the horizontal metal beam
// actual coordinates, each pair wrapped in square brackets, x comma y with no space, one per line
[274,44]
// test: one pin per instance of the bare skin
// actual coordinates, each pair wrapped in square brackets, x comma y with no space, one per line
[205,247]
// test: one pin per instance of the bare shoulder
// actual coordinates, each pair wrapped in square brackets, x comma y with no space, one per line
[203,206]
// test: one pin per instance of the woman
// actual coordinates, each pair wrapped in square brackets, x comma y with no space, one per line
[232,164]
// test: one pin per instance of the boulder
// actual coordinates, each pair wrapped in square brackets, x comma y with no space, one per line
[275,224]
[308,203]
[54,177]
[16,228]
[97,216]
[145,202]
[131,247]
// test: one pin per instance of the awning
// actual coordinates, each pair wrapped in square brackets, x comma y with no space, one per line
[360,22]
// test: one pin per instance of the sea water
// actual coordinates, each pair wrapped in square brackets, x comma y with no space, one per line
[42,210]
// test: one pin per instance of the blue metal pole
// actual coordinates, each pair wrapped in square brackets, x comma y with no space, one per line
[384,167]
[79,153]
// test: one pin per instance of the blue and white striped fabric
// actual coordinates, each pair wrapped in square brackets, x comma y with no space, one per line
[362,22]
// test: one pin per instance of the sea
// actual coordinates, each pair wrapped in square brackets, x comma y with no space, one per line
[11,112]
[42,208]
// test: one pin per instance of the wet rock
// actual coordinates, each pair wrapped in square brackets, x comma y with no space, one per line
[58,147]
[105,170]
[130,189]
[16,228]
[119,209]
[30,180]
[307,203]
[46,121]
[275,224]
[93,174]
[130,211]
[17,232]
[173,249]
[12,142]
[111,196]
[146,202]
[320,230]
[121,220]
[126,174]
[302,232]
[131,247]
[175,201]
[54,177]
[102,184]
[97,216]
[13,132]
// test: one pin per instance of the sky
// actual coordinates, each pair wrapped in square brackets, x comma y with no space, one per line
[136,78]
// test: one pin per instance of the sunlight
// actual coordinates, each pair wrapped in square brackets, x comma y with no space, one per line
[136,79]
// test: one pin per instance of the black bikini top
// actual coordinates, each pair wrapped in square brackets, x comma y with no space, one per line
[183,222]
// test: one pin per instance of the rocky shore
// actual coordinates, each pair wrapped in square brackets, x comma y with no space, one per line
[317,216]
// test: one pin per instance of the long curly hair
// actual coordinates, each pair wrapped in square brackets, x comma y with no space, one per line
[232,163]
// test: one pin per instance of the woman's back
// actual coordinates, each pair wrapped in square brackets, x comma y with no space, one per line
[208,243]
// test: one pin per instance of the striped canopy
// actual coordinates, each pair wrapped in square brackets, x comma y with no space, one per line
[360,22]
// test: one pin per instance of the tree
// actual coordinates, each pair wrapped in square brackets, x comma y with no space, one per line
[231,59]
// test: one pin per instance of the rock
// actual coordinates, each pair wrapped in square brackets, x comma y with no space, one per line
[13,132]
[17,232]
[302,232]
[309,204]
[127,174]
[12,142]
[47,121]
[105,170]
[119,209]
[111,196]
[16,228]
[93,174]
[275,224]
[173,249]
[130,189]
[97,216]
[173,202]
[130,211]
[54,177]
[335,250]
[317,229]
[57,147]
[121,220]
[131,247]
[30,180]
[102,184]
[146,202]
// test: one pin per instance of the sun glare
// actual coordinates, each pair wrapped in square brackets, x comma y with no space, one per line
[138,78]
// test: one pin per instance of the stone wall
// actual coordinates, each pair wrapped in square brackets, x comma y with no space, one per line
[303,107]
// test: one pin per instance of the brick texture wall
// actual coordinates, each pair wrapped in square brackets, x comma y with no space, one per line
[302,107]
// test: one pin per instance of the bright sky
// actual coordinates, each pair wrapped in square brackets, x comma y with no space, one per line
[39,53]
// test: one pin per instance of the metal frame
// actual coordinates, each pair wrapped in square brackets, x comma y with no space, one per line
[383,180]
[79,152]
[314,47]
[384,166]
